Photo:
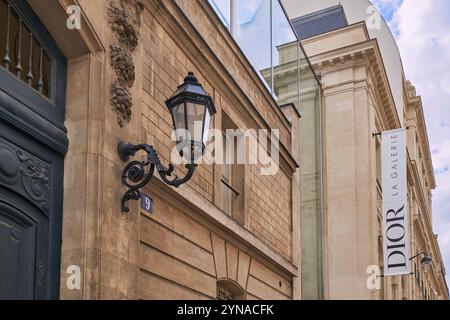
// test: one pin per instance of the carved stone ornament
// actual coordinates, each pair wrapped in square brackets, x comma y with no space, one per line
[122,61]
[122,101]
[35,180]
[125,19]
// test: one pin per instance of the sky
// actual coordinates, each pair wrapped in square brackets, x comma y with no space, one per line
[422,31]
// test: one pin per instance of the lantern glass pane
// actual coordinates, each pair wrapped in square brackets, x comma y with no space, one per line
[178,113]
[206,128]
[195,118]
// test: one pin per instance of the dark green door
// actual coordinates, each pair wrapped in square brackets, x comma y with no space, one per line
[33,143]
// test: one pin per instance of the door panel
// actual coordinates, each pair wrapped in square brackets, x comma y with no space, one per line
[17,254]
[30,191]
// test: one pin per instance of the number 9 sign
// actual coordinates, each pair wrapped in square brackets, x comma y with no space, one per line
[146,203]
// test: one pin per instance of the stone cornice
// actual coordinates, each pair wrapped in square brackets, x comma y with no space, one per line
[424,225]
[431,247]
[416,103]
[367,54]
[326,35]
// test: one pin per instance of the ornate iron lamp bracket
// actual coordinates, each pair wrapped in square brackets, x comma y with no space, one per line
[137,174]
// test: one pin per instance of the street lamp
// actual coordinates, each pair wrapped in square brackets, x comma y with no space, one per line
[426,260]
[191,109]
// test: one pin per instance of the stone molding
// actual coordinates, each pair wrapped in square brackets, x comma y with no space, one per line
[366,54]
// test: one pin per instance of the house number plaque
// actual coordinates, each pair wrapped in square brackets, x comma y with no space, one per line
[146,203]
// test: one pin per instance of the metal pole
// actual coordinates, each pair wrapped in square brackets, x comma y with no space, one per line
[233,18]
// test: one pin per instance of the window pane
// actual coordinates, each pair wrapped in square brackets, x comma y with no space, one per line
[253,34]
[226,192]
[285,57]
[223,293]
[263,31]
[311,177]
[378,162]
[229,149]
[226,170]
[226,199]
[34,65]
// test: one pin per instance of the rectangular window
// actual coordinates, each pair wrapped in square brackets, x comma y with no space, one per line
[378,161]
[223,293]
[232,174]
[21,52]
[415,271]
[227,191]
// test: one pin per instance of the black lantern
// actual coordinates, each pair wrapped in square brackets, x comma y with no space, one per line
[425,261]
[191,109]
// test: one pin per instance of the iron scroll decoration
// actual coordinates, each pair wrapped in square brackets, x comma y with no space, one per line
[190,104]
[138,173]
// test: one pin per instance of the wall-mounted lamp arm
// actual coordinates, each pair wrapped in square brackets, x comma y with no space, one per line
[417,255]
[137,174]
[376,134]
[176,181]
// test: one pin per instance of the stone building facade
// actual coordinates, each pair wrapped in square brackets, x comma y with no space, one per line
[80,76]
[124,59]
[354,78]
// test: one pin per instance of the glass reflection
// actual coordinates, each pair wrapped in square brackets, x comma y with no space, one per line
[284,55]
[311,181]
[262,29]
[195,116]
[265,35]
[178,113]
[222,8]
[253,34]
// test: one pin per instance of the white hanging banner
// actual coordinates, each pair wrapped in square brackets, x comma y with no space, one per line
[396,249]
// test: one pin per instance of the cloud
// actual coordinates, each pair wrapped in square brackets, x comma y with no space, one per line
[422,32]
[387,7]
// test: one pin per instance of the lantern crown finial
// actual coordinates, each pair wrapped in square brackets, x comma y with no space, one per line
[190,78]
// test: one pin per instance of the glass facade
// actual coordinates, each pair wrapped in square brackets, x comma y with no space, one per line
[253,33]
[311,183]
[261,28]
[264,34]
[222,8]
